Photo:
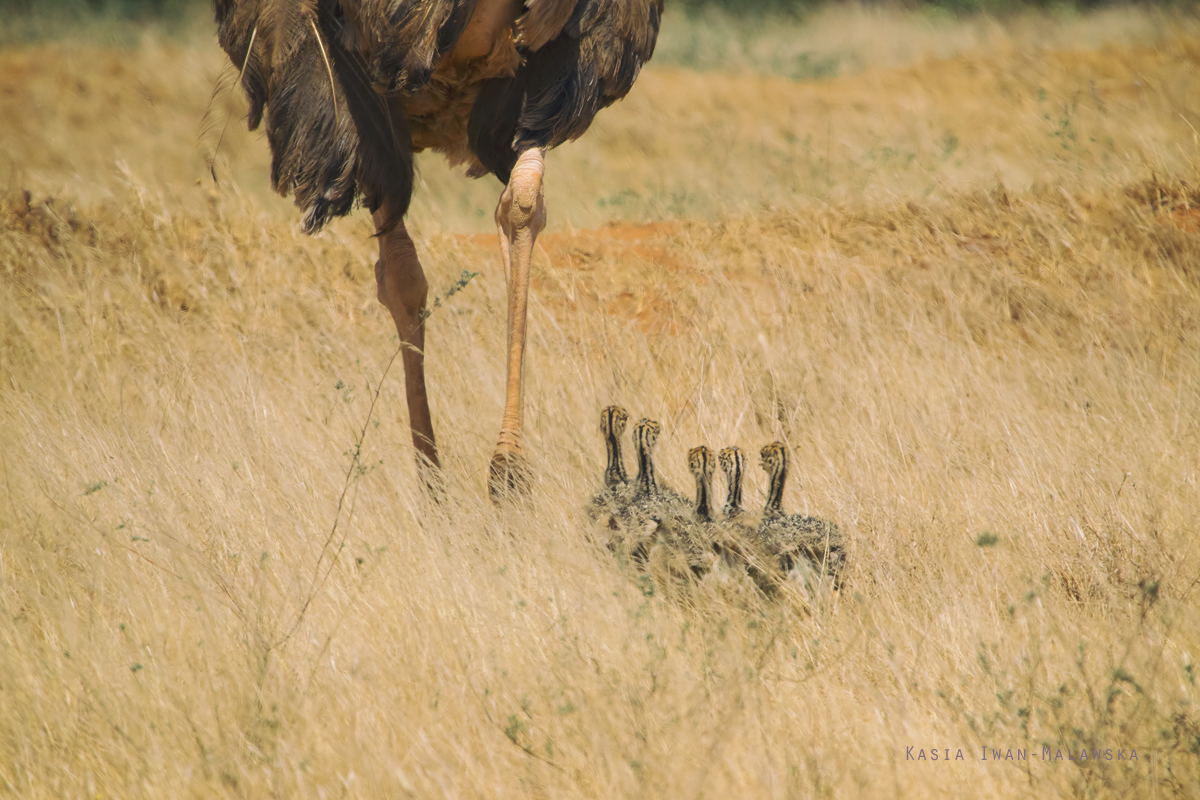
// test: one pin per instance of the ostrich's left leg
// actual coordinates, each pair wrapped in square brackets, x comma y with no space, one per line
[403,290]
[520,217]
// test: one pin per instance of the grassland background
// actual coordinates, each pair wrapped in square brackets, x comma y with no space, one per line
[953,263]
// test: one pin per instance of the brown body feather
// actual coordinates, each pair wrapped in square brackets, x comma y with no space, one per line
[349,90]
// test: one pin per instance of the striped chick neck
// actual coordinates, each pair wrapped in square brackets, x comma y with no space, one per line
[733,461]
[645,436]
[775,463]
[701,463]
[612,424]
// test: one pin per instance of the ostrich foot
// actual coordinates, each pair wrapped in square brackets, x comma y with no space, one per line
[509,475]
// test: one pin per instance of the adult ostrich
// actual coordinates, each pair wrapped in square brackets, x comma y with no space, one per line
[350,89]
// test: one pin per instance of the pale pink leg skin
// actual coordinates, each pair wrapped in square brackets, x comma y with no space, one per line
[403,291]
[520,217]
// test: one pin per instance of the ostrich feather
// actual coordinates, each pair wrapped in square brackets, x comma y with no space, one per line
[333,138]
[406,39]
[542,21]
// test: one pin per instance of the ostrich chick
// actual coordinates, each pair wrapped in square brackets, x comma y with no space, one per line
[739,543]
[656,512]
[613,501]
[794,538]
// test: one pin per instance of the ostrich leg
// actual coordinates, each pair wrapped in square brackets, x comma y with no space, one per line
[402,290]
[520,217]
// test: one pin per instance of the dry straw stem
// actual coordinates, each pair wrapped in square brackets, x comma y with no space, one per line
[993,388]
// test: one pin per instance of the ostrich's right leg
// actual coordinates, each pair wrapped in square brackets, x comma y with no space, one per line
[403,290]
[520,217]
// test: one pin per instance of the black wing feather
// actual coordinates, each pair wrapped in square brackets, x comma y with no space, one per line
[333,138]
[557,92]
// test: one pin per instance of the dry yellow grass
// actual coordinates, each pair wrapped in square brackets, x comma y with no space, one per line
[984,358]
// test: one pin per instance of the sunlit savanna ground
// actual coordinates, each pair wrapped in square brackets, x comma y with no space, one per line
[954,265]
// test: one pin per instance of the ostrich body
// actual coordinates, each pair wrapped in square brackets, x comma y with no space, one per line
[350,89]
[793,537]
